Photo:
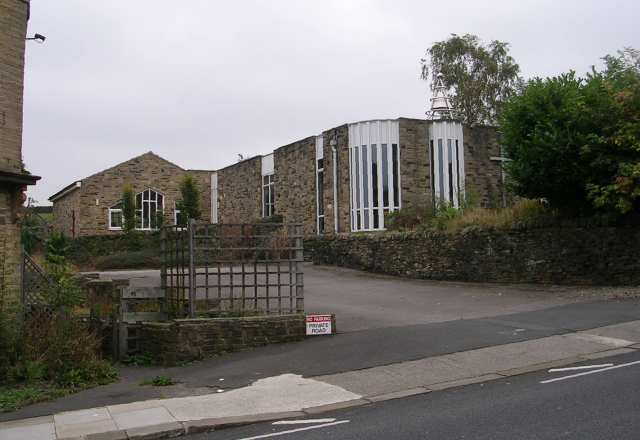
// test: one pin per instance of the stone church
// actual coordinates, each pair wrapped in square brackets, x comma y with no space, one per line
[344,179]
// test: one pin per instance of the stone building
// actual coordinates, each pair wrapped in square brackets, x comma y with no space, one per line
[348,177]
[92,206]
[14,15]
[343,180]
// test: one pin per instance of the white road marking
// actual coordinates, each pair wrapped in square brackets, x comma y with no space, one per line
[303,422]
[291,431]
[628,364]
[582,367]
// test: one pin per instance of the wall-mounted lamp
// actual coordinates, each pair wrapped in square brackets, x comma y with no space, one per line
[38,38]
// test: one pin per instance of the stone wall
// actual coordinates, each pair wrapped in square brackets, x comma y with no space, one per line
[483,176]
[10,250]
[89,205]
[341,136]
[13,29]
[66,214]
[295,183]
[191,339]
[415,176]
[598,256]
[239,192]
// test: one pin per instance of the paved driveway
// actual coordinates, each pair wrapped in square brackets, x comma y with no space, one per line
[363,300]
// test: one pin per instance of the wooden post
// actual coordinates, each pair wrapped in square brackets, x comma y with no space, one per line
[163,267]
[192,274]
[299,259]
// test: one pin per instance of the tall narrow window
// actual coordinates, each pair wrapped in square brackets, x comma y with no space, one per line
[441,169]
[459,198]
[385,173]
[374,184]
[365,186]
[450,169]
[396,176]
[268,196]
[356,159]
[320,195]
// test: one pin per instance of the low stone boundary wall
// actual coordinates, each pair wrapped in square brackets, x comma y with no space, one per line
[182,340]
[578,256]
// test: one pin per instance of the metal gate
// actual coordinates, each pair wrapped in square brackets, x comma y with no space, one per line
[228,269]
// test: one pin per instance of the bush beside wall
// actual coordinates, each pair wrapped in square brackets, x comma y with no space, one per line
[137,250]
[579,256]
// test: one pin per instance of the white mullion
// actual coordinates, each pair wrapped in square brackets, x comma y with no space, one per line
[350,184]
[454,168]
[361,177]
[392,196]
[380,212]
[461,147]
[436,164]
[398,170]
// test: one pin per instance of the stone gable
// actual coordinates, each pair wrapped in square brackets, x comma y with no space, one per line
[89,204]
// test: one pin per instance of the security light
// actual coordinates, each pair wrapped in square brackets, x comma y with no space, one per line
[38,37]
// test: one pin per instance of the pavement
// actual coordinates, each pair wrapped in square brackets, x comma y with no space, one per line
[293,396]
[589,402]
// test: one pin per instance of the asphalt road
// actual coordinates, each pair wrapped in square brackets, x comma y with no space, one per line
[601,405]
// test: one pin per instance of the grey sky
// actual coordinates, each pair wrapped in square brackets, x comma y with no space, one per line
[198,82]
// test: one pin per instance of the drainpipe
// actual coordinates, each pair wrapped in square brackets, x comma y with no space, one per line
[334,153]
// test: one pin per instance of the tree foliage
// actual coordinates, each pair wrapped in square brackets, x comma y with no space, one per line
[189,205]
[128,209]
[481,78]
[576,141]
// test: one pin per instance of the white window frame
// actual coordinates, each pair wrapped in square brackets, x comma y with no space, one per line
[268,209]
[320,157]
[446,144]
[366,135]
[111,212]
[140,210]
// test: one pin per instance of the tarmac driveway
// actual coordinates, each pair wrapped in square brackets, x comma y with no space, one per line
[364,301]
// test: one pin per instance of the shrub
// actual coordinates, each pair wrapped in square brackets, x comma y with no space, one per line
[408,218]
[144,259]
[128,209]
[576,141]
[189,205]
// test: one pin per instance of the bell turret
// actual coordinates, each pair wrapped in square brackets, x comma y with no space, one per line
[440,103]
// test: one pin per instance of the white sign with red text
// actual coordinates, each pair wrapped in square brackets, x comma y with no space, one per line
[318,325]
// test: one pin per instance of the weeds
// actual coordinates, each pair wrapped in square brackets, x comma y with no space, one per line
[158,381]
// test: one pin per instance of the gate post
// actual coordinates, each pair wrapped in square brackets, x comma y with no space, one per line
[299,259]
[192,272]
[163,266]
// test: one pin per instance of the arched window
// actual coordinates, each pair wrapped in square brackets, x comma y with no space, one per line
[149,210]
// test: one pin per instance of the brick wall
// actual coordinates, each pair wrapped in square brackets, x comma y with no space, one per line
[482,175]
[13,28]
[239,192]
[579,256]
[103,190]
[295,183]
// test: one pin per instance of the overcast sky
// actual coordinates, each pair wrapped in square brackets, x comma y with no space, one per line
[198,82]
